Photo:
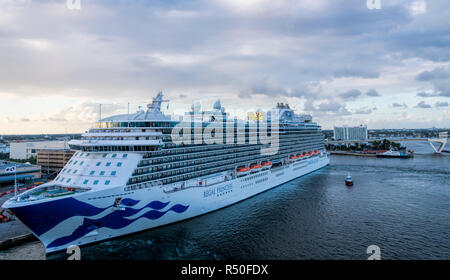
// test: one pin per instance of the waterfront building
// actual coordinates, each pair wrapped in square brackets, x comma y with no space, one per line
[53,160]
[20,171]
[27,150]
[351,133]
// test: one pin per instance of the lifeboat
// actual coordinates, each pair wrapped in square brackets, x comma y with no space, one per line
[266,165]
[255,167]
[242,171]
[292,158]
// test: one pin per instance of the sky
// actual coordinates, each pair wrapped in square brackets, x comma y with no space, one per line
[343,62]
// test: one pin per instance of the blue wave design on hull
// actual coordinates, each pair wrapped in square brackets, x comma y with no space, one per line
[42,217]
[117,220]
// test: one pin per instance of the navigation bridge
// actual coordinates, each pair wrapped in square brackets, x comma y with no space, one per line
[441,140]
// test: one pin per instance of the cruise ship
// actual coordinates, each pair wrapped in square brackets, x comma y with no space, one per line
[134,172]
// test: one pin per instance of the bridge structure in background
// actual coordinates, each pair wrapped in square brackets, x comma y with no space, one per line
[441,140]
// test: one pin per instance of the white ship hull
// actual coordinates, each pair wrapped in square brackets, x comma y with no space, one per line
[153,207]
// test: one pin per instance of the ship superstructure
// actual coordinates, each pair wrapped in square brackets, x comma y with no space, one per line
[137,171]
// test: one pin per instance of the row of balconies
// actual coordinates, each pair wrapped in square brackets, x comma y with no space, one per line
[194,174]
[229,162]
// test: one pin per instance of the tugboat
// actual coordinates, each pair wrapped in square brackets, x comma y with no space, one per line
[349,181]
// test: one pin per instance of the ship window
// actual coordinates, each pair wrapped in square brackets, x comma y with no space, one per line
[119,164]
[75,171]
[108,164]
[70,162]
[113,173]
[68,180]
[68,171]
[92,173]
[95,182]
[125,155]
[107,182]
[102,173]
[81,163]
[75,162]
[98,163]
[114,155]
[85,182]
[104,155]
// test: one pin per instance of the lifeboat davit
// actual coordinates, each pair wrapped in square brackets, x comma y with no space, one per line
[242,171]
[266,165]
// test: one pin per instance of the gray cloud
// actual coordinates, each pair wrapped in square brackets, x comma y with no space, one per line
[423,105]
[279,49]
[439,78]
[441,104]
[435,74]
[372,93]
[327,108]
[363,111]
[351,94]
[353,72]
[398,105]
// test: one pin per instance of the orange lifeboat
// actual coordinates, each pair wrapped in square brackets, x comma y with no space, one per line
[266,165]
[255,167]
[242,171]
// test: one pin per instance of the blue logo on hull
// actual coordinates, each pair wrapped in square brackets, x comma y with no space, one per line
[118,220]
[42,217]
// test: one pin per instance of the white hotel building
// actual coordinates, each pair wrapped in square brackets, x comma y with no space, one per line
[351,133]
[27,150]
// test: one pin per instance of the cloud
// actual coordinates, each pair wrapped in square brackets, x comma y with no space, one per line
[354,72]
[441,104]
[372,93]
[398,105]
[422,105]
[439,77]
[303,51]
[435,74]
[363,111]
[424,94]
[351,94]
[327,108]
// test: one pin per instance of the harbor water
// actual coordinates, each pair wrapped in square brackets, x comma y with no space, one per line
[400,205]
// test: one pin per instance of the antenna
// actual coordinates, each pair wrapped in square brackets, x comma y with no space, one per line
[100,112]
